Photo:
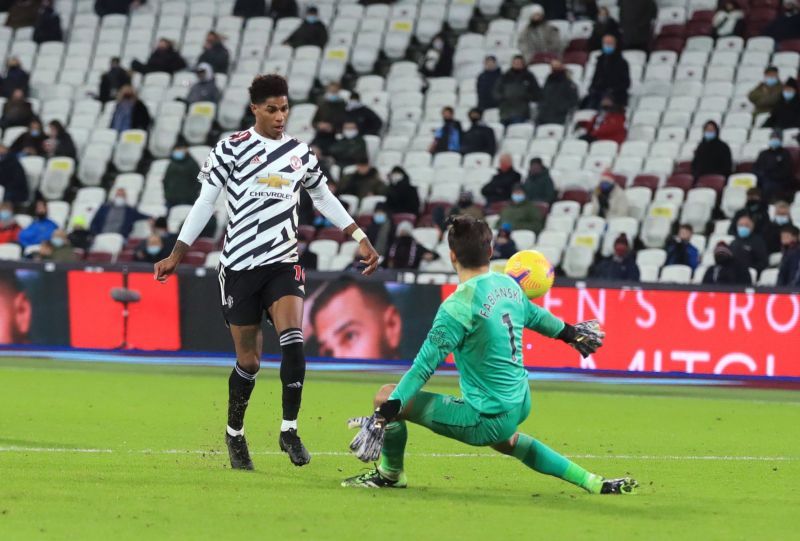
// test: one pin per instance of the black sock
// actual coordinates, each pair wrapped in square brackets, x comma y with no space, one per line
[240,385]
[293,372]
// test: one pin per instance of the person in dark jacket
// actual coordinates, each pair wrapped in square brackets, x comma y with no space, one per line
[279,9]
[756,209]
[22,13]
[116,216]
[250,8]
[479,137]
[713,155]
[130,113]
[48,24]
[504,245]
[726,270]
[16,78]
[620,266]
[486,82]
[499,187]
[331,108]
[31,142]
[380,231]
[13,178]
[311,31]
[749,247]
[324,138]
[180,179]
[59,142]
[163,58]
[538,184]
[786,25]
[611,76]
[364,181]
[604,25]
[636,20]
[205,89]
[559,96]
[351,148]
[680,250]
[368,122]
[150,250]
[215,53]
[115,78]
[515,91]
[438,58]
[772,230]
[789,270]
[786,114]
[115,7]
[521,213]
[401,196]
[17,111]
[775,170]
[405,252]
[448,137]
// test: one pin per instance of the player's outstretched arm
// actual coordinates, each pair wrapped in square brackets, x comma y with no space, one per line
[586,337]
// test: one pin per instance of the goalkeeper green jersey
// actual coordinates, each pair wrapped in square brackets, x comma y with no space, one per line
[481,323]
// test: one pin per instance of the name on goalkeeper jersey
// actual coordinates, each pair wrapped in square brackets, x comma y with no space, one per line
[496,295]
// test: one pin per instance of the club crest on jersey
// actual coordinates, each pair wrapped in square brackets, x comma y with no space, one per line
[273,181]
[295,163]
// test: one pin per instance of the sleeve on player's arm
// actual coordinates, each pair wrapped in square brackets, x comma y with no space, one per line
[218,166]
[542,321]
[445,335]
[317,186]
[201,213]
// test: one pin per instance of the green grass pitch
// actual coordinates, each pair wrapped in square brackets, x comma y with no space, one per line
[119,452]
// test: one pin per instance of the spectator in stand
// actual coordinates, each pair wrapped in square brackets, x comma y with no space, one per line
[163,58]
[323,139]
[486,82]
[205,89]
[364,181]
[215,54]
[787,24]
[351,148]
[331,107]
[611,76]
[41,228]
[48,24]
[756,209]
[499,187]
[448,137]
[80,237]
[9,228]
[521,213]
[58,249]
[21,13]
[13,178]
[619,266]
[538,184]
[465,205]
[680,250]
[280,9]
[726,269]
[250,8]
[401,196]
[405,252]
[17,111]
[16,78]
[311,31]
[539,37]
[438,58]
[368,122]
[479,137]
[772,231]
[30,143]
[380,231]
[766,95]
[609,199]
[159,227]
[713,155]
[116,216]
[636,20]
[559,96]
[307,259]
[130,112]
[728,20]
[775,169]
[504,245]
[180,178]
[150,250]
[789,270]
[59,142]
[115,78]
[515,91]
[786,113]
[607,125]
[604,25]
[749,247]
[579,9]
[115,7]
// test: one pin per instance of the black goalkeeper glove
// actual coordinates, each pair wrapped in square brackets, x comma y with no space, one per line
[586,337]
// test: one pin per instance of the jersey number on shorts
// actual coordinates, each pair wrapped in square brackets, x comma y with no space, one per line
[299,274]
[510,325]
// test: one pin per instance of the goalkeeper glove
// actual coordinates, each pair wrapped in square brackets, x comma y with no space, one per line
[586,337]
[368,442]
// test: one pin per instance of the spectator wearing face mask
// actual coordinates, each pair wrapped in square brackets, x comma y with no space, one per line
[115,78]
[749,247]
[515,91]
[774,168]
[130,112]
[789,270]
[539,37]
[159,227]
[9,228]
[538,184]
[438,58]
[205,89]
[13,178]
[364,181]
[380,231]
[331,108]
[486,82]
[401,196]
[215,54]
[559,96]
[609,199]
[604,25]
[40,229]
[772,230]
[786,113]
[680,250]
[766,95]
[620,266]
[479,137]
[448,137]
[727,270]
[504,245]
[16,78]
[611,76]
[728,20]
[59,142]
[499,187]
[30,143]
[755,208]
[150,250]
[116,216]
[180,179]
[351,148]
[521,213]
[607,125]
[60,249]
[368,122]
[163,58]
[712,156]
[312,31]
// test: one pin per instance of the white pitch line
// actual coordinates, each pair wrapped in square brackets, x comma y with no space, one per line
[722,458]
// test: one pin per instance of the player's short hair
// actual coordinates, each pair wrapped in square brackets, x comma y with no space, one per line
[471,241]
[375,291]
[268,86]
[9,280]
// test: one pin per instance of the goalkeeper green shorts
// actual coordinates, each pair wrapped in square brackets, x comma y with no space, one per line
[452,417]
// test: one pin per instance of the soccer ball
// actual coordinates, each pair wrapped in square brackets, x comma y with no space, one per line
[532,271]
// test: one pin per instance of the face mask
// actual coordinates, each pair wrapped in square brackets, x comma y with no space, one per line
[709,135]
[311,19]
[119,201]
[743,231]
[518,197]
[788,95]
[379,218]
[153,250]
[349,134]
[608,49]
[774,143]
[396,177]
[332,97]
[35,133]
[57,242]
[438,45]
[753,205]
[770,81]
[178,154]
[781,219]
[606,186]
[6,215]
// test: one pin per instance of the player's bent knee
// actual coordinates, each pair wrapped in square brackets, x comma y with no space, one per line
[506,447]
[383,394]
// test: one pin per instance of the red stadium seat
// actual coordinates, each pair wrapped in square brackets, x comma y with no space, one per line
[497,207]
[757,20]
[195,258]
[544,58]
[80,253]
[543,207]
[125,256]
[683,167]
[715,182]
[576,57]
[698,28]
[203,244]
[577,45]
[648,181]
[131,244]
[331,233]
[669,44]
[580,196]
[306,232]
[702,15]
[681,180]
[99,257]
[745,167]
[404,217]
[622,180]
[789,45]
[672,30]
[364,220]
[772,4]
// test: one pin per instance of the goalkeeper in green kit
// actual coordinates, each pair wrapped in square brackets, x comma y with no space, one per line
[481,323]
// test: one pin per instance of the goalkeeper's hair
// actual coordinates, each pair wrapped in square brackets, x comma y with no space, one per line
[268,86]
[471,240]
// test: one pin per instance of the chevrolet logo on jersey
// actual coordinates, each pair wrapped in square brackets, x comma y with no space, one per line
[273,181]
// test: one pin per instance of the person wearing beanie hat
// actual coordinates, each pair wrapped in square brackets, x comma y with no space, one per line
[726,269]
[786,113]
[405,252]
[774,168]
[205,89]
[620,265]
[539,37]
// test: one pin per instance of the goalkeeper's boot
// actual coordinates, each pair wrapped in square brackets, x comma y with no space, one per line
[290,444]
[624,485]
[374,479]
[238,453]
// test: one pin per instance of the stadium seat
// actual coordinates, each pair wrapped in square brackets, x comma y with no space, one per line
[577,260]
[10,252]
[56,177]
